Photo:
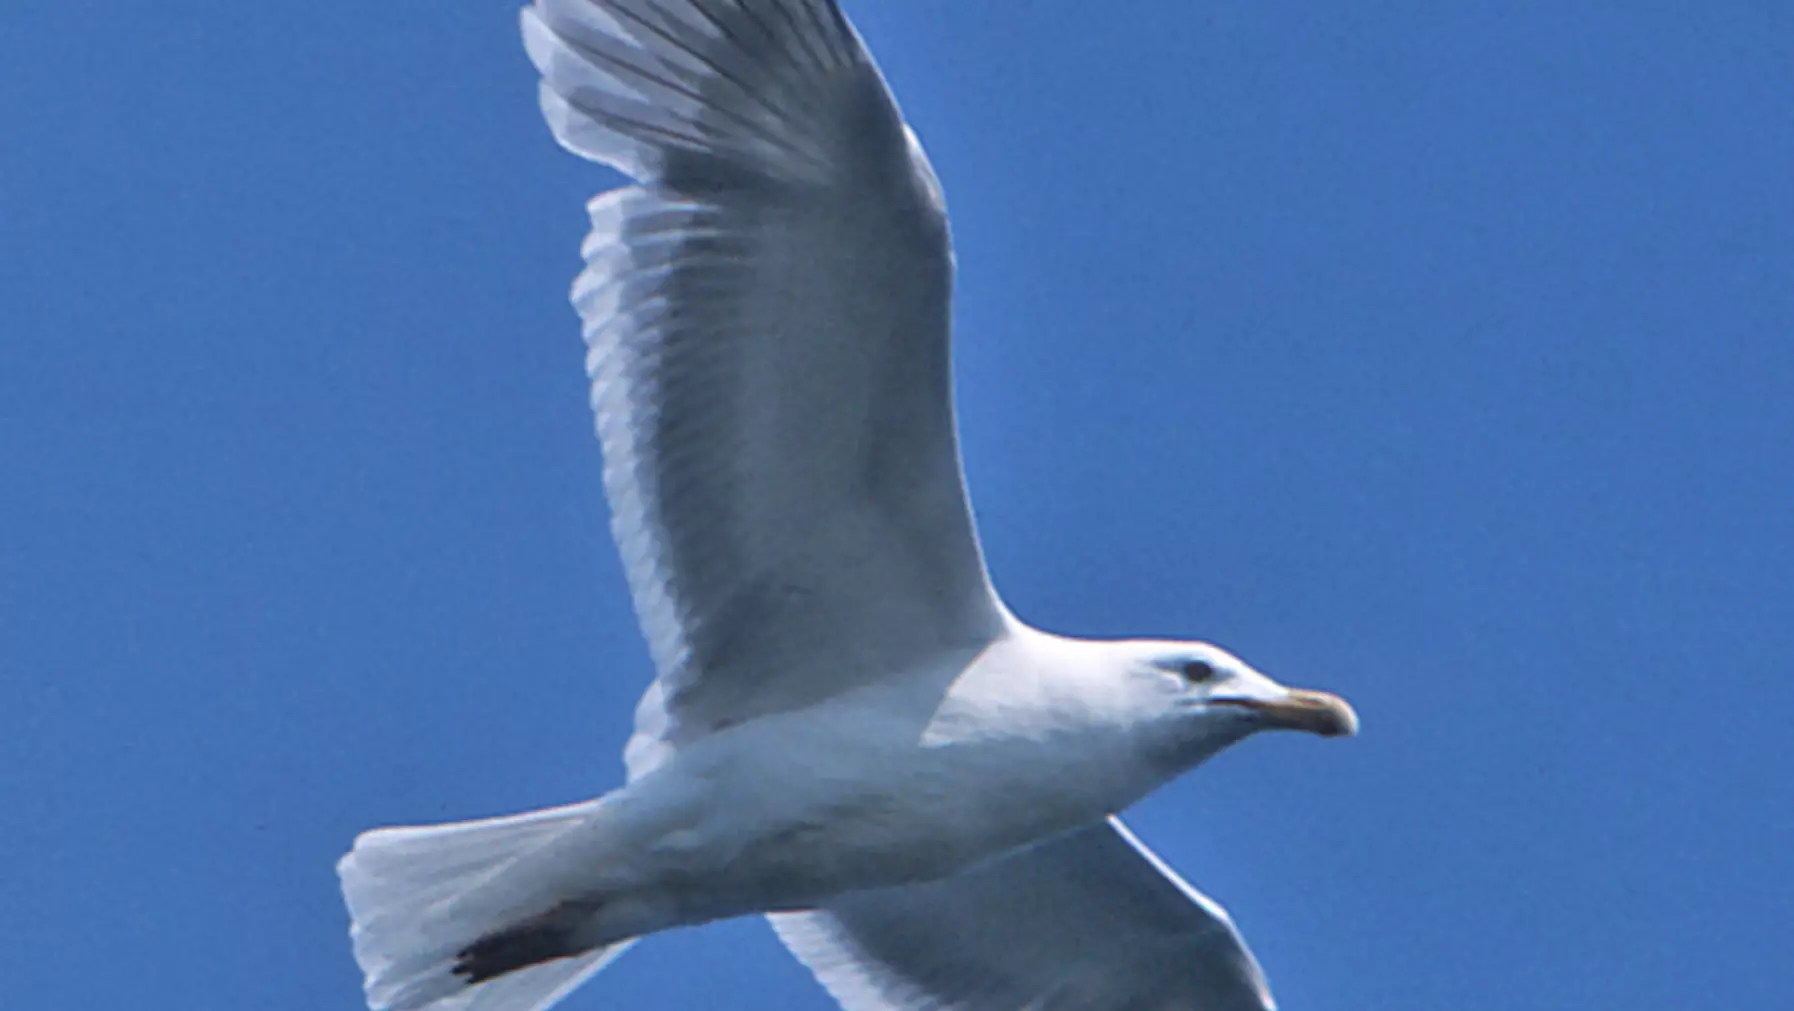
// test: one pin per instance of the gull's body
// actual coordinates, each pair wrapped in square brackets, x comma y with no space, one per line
[848,731]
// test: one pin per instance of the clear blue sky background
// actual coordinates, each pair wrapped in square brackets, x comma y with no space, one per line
[1437,353]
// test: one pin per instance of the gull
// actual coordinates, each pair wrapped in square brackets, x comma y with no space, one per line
[847,732]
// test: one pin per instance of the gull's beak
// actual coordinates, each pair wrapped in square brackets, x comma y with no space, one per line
[1320,713]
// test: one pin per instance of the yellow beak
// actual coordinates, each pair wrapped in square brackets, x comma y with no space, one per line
[1320,713]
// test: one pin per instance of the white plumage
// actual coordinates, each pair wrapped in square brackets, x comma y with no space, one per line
[847,729]
[750,448]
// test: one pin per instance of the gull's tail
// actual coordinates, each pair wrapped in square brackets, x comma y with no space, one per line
[700,100]
[428,935]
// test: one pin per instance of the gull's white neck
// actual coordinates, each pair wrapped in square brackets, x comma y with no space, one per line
[914,778]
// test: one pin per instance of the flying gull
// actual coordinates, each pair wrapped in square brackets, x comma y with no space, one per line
[848,732]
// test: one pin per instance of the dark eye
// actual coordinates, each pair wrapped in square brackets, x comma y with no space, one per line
[1198,671]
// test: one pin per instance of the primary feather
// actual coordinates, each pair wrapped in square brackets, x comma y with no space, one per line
[767,317]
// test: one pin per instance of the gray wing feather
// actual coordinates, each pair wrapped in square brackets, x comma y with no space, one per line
[767,317]
[1090,922]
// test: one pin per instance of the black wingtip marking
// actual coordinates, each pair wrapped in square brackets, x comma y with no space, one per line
[532,942]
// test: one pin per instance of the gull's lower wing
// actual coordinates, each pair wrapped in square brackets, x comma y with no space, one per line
[767,313]
[1090,922]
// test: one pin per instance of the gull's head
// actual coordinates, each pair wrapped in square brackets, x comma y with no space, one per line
[1208,698]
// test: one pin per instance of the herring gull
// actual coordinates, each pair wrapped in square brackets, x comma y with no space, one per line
[848,732]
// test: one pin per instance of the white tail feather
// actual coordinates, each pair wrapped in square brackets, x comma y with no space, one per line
[415,899]
[698,96]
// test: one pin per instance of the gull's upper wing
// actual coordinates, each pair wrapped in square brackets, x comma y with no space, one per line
[767,313]
[1090,922]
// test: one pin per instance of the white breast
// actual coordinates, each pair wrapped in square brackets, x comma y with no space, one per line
[912,779]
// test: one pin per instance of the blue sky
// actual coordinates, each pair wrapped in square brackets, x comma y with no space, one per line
[1433,353]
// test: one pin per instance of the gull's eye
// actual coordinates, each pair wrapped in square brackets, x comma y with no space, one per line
[1198,671]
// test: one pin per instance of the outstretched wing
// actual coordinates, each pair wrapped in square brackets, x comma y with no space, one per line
[767,313]
[1090,922]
